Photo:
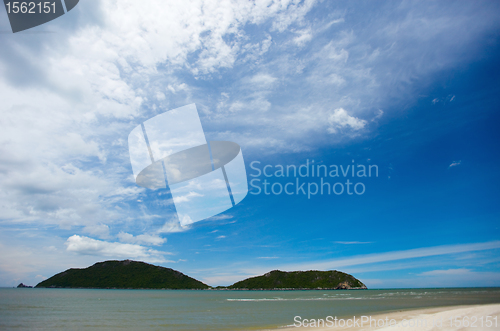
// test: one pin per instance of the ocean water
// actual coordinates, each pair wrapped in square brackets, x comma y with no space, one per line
[89,309]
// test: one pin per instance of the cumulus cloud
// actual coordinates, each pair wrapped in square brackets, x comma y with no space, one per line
[340,119]
[88,246]
[70,99]
[73,168]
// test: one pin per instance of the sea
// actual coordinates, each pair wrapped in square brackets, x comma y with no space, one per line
[96,309]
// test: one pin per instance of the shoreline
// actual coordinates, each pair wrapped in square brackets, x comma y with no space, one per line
[460,317]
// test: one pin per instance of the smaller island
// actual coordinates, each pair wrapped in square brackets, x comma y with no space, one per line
[300,280]
[23,286]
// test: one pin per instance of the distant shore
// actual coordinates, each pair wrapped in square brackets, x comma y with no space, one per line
[199,289]
[465,317]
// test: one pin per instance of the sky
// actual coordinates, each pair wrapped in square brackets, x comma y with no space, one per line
[409,88]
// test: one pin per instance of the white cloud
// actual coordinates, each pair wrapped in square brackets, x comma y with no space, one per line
[174,88]
[186,197]
[100,230]
[406,254]
[446,272]
[352,242]
[160,96]
[295,13]
[457,278]
[221,217]
[88,246]
[175,226]
[383,257]
[455,164]
[262,80]
[338,55]
[450,280]
[145,239]
[336,79]
[93,82]
[303,36]
[63,155]
[268,257]
[340,119]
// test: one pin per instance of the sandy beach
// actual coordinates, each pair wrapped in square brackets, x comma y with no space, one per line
[476,317]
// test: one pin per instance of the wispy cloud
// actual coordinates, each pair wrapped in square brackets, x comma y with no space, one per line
[399,255]
[303,36]
[187,197]
[147,239]
[455,164]
[173,226]
[383,257]
[88,246]
[446,272]
[353,242]
[268,257]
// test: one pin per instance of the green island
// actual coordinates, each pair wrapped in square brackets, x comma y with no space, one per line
[129,274]
[125,274]
[300,280]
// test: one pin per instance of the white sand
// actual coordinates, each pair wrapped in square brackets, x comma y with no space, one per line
[474,318]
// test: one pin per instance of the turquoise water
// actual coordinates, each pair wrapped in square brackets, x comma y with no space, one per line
[81,309]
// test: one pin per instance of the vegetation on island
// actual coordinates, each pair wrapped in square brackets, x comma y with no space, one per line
[312,279]
[129,274]
[124,275]
[23,286]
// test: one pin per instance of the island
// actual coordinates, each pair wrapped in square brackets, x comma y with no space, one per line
[300,280]
[24,286]
[129,274]
[125,274]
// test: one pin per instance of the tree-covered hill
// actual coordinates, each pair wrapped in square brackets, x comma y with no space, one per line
[312,279]
[123,274]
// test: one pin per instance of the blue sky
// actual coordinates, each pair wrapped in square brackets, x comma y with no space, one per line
[408,86]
